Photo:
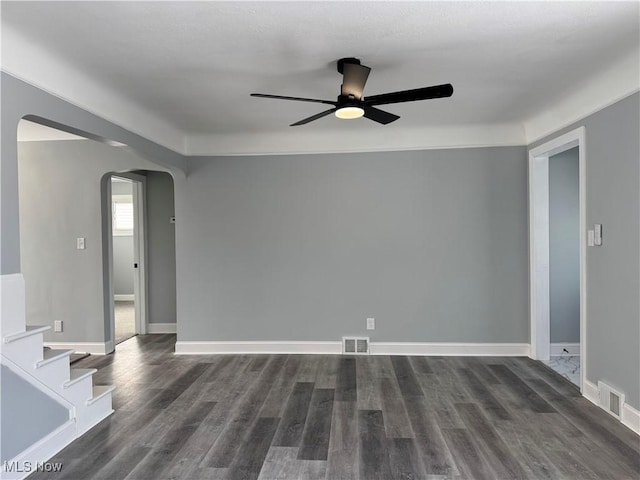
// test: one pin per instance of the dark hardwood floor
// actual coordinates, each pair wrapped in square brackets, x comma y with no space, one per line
[300,417]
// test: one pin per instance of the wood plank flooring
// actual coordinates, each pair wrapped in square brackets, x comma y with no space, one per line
[276,417]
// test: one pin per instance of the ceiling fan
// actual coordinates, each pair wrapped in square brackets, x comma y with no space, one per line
[351,104]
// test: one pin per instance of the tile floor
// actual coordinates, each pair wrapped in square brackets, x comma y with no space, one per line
[566,365]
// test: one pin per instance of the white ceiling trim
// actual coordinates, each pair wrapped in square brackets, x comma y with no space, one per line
[32,64]
[594,94]
[35,65]
[376,139]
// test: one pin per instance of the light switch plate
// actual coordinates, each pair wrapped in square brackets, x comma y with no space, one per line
[57,326]
[80,244]
[597,238]
[371,323]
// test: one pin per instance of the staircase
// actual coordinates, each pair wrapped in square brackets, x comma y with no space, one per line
[22,351]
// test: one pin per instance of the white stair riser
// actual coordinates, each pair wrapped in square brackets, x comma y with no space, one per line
[79,392]
[12,309]
[25,351]
[90,415]
[54,374]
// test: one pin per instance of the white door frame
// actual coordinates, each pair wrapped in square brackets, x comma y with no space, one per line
[139,251]
[539,315]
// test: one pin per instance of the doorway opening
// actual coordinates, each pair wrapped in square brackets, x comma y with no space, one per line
[557,250]
[127,235]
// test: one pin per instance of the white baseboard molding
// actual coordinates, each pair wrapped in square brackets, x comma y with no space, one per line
[451,349]
[376,348]
[161,328]
[559,349]
[590,392]
[124,297]
[25,463]
[630,417]
[208,348]
[94,348]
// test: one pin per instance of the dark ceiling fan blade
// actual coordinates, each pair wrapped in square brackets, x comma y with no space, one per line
[378,115]
[314,117]
[426,93]
[355,78]
[297,99]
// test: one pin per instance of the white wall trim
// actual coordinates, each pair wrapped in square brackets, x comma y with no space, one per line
[450,349]
[124,297]
[558,349]
[539,314]
[42,450]
[590,392]
[161,328]
[258,347]
[376,348]
[630,417]
[94,348]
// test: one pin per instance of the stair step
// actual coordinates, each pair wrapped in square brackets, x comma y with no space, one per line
[78,374]
[30,330]
[100,391]
[51,355]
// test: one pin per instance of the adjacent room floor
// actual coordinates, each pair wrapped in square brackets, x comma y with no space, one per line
[328,417]
[125,318]
[566,365]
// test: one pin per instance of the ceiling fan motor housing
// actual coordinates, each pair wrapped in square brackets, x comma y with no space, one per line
[342,61]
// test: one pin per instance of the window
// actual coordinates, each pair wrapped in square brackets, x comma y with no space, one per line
[122,211]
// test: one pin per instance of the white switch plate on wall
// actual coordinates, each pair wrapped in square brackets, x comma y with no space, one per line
[80,243]
[57,326]
[371,323]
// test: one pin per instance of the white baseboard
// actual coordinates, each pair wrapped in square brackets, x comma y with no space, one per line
[161,328]
[94,348]
[590,392]
[451,349]
[258,347]
[630,416]
[376,348]
[26,462]
[124,297]
[558,349]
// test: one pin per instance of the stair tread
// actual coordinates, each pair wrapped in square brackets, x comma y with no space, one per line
[51,355]
[100,391]
[29,330]
[78,374]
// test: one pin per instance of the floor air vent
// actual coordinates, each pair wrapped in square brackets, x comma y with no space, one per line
[610,399]
[355,345]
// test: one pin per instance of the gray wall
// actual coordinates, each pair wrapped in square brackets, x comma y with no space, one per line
[433,244]
[564,246]
[19,99]
[27,414]
[122,250]
[613,270]
[60,199]
[161,248]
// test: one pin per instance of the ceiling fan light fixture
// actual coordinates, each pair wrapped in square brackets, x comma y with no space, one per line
[348,113]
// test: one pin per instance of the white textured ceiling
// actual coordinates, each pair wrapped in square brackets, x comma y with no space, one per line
[192,65]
